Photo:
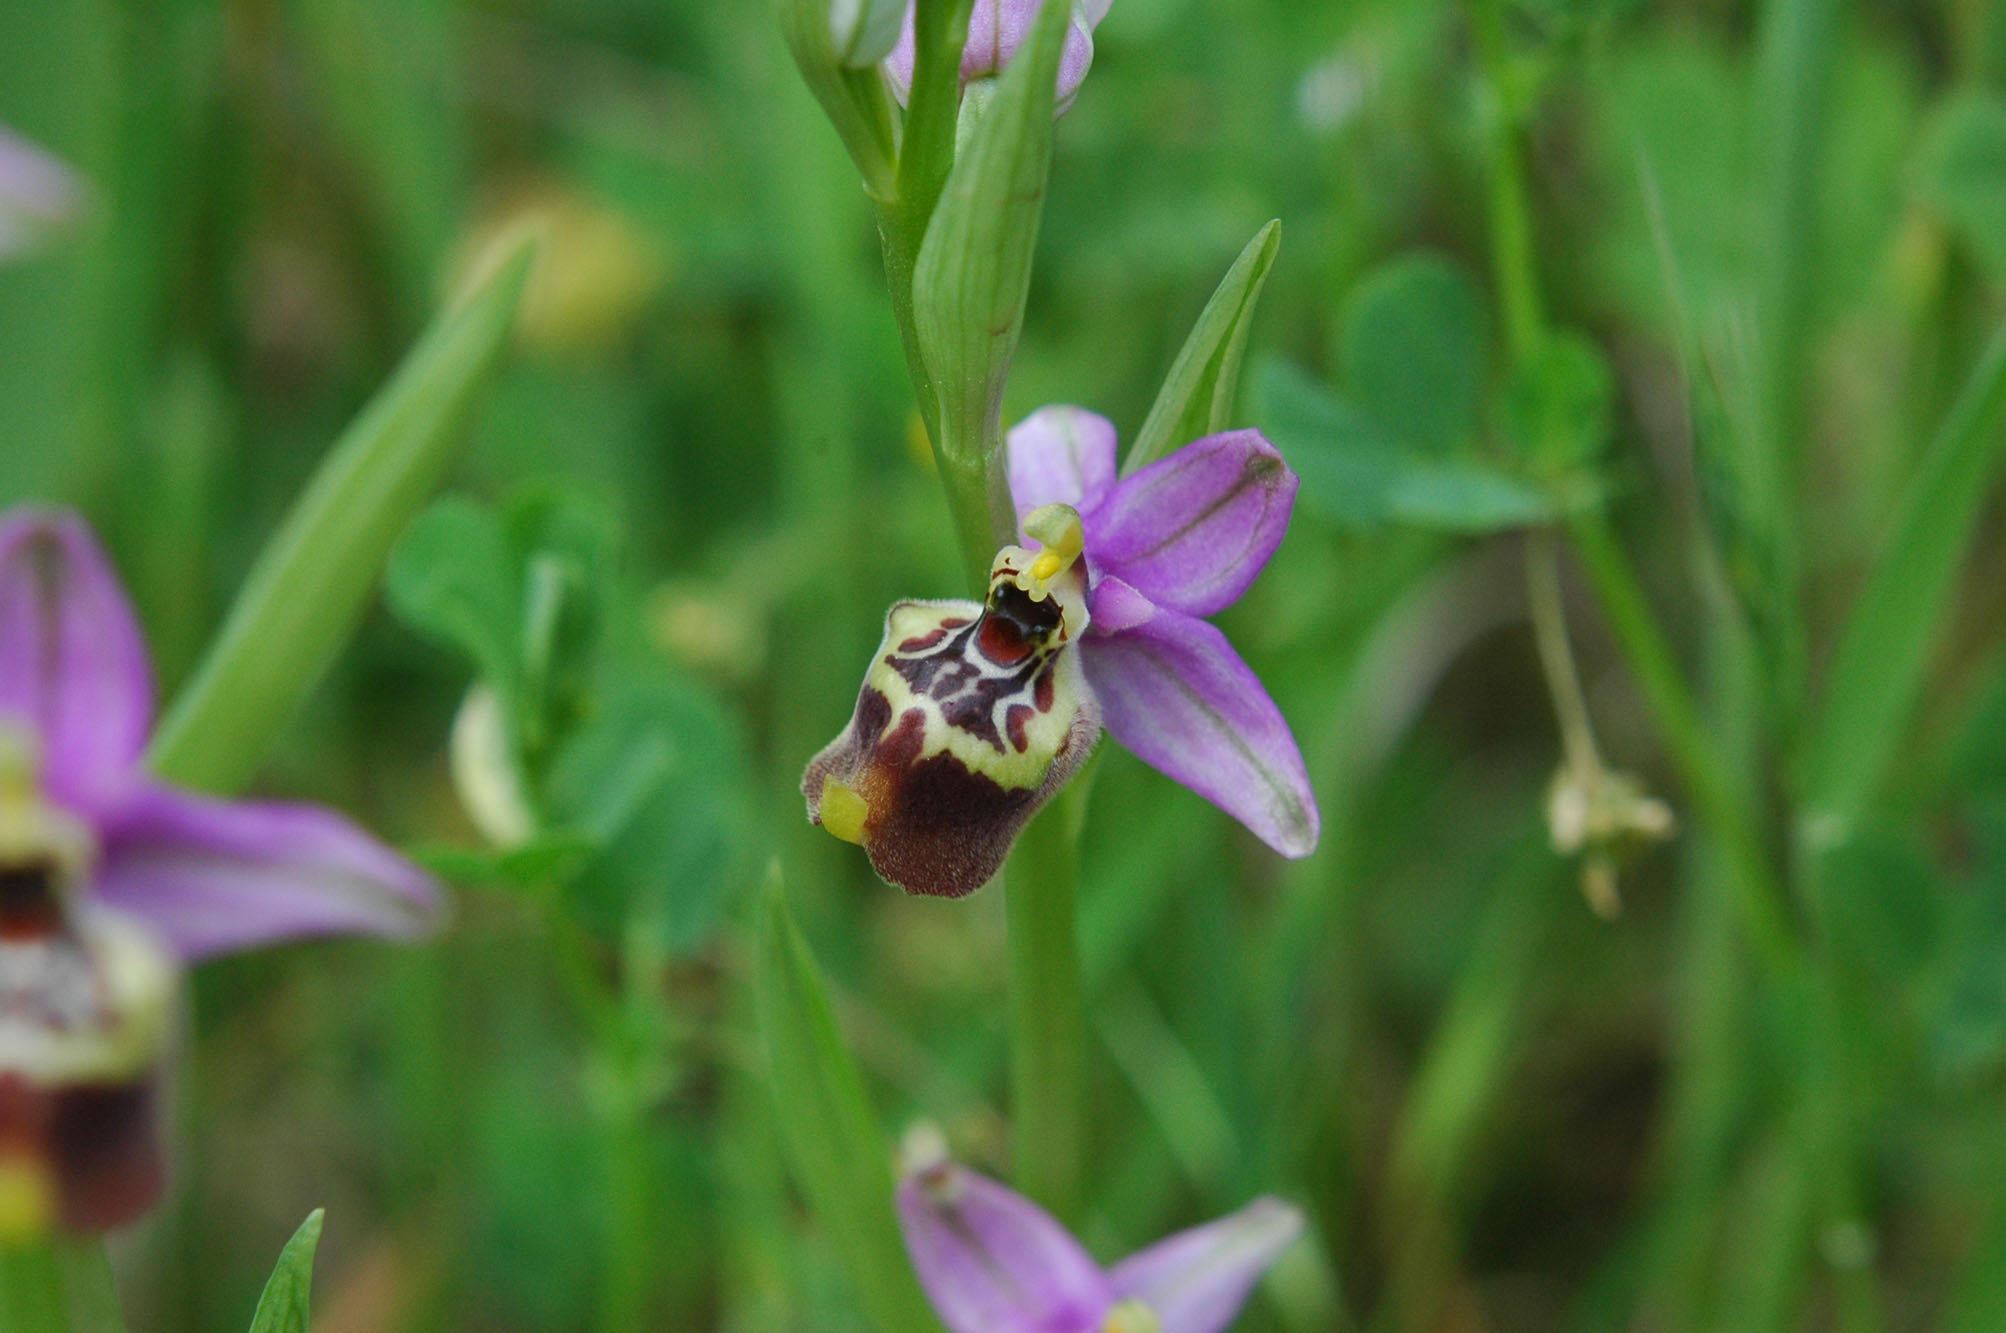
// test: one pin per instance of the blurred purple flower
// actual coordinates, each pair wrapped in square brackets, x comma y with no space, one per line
[209,876]
[996,28]
[1176,541]
[36,193]
[992,1261]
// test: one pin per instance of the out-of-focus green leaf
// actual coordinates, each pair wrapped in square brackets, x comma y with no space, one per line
[1878,666]
[974,267]
[284,1306]
[1560,404]
[1197,396]
[1964,173]
[1357,475]
[310,585]
[657,779]
[1412,347]
[1883,903]
[552,856]
[1978,1304]
[454,577]
[831,1137]
[1968,1040]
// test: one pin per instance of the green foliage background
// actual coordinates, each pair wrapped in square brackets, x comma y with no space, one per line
[1772,233]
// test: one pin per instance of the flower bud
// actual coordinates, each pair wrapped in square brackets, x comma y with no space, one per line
[863,32]
[971,716]
[1603,817]
[996,29]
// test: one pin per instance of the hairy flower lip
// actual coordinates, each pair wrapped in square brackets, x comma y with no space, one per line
[969,718]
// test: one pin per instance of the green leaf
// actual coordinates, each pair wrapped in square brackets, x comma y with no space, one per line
[1197,396]
[553,856]
[1357,475]
[974,267]
[1968,1037]
[1412,341]
[1964,173]
[454,577]
[827,1129]
[283,1307]
[310,585]
[1883,651]
[1560,405]
[658,780]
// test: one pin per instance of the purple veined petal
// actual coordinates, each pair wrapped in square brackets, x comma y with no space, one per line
[992,1261]
[1061,455]
[73,667]
[1192,530]
[1197,1280]
[1174,691]
[213,877]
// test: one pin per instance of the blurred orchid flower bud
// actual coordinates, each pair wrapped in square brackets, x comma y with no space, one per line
[996,28]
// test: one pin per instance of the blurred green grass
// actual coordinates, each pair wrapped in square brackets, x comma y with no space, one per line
[283,191]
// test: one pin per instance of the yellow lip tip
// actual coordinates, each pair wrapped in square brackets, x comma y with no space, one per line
[844,811]
[27,1200]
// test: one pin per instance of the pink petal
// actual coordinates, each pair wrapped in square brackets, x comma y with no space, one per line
[1197,1280]
[994,1262]
[214,876]
[1192,530]
[1061,455]
[1174,691]
[73,667]
[996,30]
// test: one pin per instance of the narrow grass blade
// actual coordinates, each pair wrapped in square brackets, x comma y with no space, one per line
[1197,396]
[831,1138]
[310,585]
[1878,666]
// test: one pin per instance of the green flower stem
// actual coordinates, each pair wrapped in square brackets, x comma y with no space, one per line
[58,1286]
[1759,896]
[926,155]
[1796,49]
[1511,214]
[1047,1007]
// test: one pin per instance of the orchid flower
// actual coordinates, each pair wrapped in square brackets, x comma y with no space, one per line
[996,28]
[991,1261]
[110,877]
[208,876]
[974,714]
[1174,542]
[36,193]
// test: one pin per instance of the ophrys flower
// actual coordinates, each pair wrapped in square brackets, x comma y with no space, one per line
[991,1261]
